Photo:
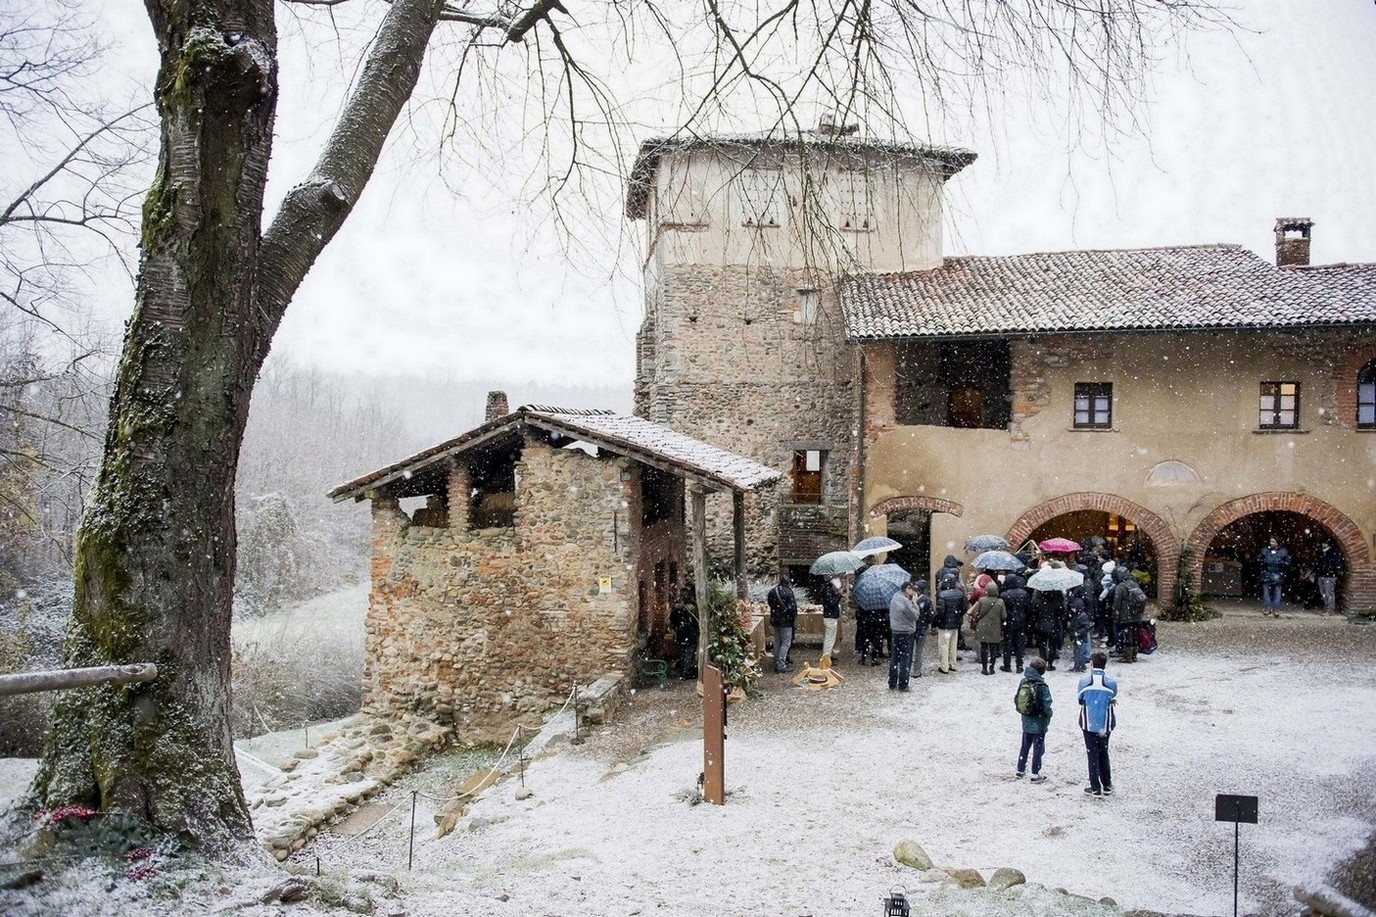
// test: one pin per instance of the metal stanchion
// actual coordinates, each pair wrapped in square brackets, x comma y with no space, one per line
[410,853]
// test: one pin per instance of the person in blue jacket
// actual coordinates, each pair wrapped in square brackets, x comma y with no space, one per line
[1097,694]
[1275,561]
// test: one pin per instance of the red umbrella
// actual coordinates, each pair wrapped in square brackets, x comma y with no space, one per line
[1058,546]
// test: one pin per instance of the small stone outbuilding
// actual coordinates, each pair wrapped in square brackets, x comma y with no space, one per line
[547,551]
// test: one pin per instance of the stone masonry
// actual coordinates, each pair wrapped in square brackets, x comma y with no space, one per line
[487,628]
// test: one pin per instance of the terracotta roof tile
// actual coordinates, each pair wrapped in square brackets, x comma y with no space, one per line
[1199,287]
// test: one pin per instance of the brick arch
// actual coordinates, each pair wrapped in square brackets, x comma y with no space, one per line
[1163,540]
[1345,372]
[1361,584]
[909,504]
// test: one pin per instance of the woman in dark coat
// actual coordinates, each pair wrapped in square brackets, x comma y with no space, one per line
[1048,607]
[1017,601]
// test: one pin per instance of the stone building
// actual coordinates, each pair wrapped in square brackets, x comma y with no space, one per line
[1183,403]
[545,554]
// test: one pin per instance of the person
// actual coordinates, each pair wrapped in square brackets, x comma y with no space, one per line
[1098,694]
[684,620]
[783,615]
[988,616]
[1016,600]
[1077,616]
[1047,607]
[1106,586]
[1129,601]
[1035,726]
[903,620]
[925,614]
[1329,567]
[1274,561]
[950,608]
[831,615]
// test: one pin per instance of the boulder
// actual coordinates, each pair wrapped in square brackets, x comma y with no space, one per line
[1006,877]
[965,877]
[910,853]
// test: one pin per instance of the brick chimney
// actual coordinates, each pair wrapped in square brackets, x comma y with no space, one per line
[496,406]
[1292,241]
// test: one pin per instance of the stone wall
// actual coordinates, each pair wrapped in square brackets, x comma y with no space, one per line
[726,356]
[484,629]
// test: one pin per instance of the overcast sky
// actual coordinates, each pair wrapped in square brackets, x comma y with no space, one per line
[440,274]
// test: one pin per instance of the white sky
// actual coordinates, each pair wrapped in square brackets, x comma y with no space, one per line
[439,273]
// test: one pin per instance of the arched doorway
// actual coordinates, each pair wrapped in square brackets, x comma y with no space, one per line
[910,524]
[1125,525]
[1228,539]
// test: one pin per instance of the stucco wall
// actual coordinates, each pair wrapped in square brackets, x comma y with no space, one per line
[489,628]
[1180,398]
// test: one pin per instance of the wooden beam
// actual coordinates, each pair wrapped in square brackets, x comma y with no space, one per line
[738,523]
[697,502]
[64,679]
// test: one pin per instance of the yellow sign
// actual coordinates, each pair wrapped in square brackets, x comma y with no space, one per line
[604,584]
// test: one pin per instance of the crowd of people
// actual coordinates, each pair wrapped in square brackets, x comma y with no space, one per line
[1005,617]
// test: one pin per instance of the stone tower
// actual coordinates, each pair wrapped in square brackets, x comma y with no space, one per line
[743,343]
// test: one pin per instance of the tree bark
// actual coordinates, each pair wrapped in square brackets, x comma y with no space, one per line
[155,556]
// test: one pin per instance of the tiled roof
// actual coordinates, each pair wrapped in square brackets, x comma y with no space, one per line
[951,159]
[1194,287]
[620,434]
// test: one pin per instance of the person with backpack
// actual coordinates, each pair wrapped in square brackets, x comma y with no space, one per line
[1033,703]
[1129,608]
[1097,695]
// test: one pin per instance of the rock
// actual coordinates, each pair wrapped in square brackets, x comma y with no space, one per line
[1108,901]
[965,877]
[932,875]
[305,753]
[1006,877]
[910,853]
[524,792]
[273,802]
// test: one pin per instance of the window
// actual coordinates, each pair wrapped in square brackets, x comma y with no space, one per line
[1366,397]
[1093,405]
[807,475]
[1279,406]
[762,192]
[855,198]
[809,304]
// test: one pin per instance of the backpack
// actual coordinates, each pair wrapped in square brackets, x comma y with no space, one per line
[1146,638]
[1137,604]
[1028,700]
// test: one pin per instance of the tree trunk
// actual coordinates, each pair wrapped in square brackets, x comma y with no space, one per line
[155,554]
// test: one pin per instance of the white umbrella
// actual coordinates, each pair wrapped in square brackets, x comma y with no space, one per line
[877,545]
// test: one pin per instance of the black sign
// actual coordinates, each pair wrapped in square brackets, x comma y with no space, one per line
[1235,808]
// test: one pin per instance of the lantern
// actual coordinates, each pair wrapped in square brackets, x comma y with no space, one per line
[896,904]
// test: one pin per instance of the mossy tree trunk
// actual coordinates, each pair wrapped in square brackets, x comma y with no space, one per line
[155,554]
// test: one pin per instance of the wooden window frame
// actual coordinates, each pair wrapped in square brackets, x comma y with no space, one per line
[810,496]
[1092,392]
[1269,417]
[1366,397]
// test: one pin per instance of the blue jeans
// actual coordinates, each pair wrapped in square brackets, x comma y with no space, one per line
[1082,651]
[919,643]
[1270,591]
[901,661]
[783,642]
[1036,743]
[1096,749]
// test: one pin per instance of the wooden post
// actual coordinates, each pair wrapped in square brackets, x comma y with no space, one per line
[713,736]
[738,523]
[698,507]
[62,679]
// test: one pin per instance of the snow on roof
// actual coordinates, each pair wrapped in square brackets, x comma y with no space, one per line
[1195,287]
[620,434]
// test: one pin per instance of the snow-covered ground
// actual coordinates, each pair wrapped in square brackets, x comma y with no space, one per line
[821,786]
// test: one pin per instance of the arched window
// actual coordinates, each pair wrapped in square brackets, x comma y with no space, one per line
[1366,397]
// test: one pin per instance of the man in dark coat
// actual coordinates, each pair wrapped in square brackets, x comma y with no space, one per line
[1128,602]
[950,609]
[1330,566]
[783,615]
[1048,609]
[1017,601]
[1274,561]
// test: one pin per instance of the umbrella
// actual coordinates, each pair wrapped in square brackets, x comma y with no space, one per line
[998,561]
[1092,540]
[1055,579]
[1059,546]
[834,562]
[977,544]
[876,545]
[875,586]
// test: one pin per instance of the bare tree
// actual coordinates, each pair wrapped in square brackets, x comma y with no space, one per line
[156,551]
